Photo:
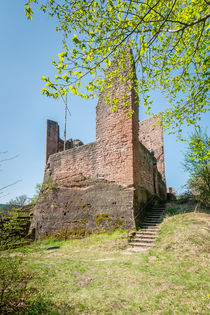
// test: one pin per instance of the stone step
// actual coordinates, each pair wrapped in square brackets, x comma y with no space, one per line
[154,234]
[152,216]
[155,212]
[145,237]
[158,220]
[141,244]
[144,240]
[146,231]
[152,219]
[151,229]
[158,208]
[149,224]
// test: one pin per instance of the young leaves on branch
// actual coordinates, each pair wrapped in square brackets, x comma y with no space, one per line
[170,43]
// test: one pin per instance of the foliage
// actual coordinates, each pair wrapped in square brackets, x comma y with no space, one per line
[170,211]
[13,281]
[169,40]
[197,163]
[14,227]
[18,202]
[36,195]
[50,184]
[41,188]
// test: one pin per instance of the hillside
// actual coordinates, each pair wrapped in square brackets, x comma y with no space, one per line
[2,206]
[99,275]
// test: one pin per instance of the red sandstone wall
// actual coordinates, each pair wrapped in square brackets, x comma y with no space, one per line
[151,137]
[116,134]
[52,138]
[145,169]
[73,165]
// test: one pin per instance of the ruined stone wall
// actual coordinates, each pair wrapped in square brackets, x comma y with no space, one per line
[151,136]
[53,142]
[76,164]
[146,168]
[103,185]
[52,138]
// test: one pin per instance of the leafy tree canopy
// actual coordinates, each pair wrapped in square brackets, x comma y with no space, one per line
[169,40]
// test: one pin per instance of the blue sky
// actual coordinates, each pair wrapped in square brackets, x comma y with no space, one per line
[25,56]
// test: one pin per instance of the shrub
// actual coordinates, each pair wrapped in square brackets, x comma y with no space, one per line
[13,282]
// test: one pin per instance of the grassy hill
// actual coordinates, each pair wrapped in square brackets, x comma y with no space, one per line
[99,275]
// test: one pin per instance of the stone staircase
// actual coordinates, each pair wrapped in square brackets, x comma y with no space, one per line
[145,237]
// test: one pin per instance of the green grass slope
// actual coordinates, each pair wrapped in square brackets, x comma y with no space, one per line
[99,275]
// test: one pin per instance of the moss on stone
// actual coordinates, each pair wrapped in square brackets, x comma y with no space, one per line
[67,233]
[101,218]
[81,222]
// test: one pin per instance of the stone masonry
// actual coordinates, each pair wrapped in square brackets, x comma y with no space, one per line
[103,185]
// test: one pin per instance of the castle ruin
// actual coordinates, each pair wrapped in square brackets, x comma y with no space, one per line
[106,184]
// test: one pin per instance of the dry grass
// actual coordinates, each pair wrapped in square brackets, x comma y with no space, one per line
[98,275]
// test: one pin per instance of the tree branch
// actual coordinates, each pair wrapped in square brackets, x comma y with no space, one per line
[189,24]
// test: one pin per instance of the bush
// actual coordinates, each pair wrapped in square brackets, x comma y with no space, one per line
[14,227]
[197,163]
[13,282]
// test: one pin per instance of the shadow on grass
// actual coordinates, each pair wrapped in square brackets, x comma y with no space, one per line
[44,306]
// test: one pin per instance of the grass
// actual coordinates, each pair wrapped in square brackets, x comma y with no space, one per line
[98,275]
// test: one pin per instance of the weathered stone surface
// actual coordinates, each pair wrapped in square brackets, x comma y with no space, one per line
[52,138]
[97,206]
[151,136]
[53,142]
